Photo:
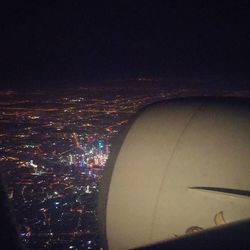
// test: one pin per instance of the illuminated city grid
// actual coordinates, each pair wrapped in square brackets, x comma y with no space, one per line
[54,146]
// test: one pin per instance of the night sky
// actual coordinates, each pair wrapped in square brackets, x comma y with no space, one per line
[56,42]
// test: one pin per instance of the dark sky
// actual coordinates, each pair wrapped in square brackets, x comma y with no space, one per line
[66,41]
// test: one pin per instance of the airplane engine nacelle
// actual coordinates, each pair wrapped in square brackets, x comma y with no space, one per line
[180,166]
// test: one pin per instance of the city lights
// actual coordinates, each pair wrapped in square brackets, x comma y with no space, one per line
[53,152]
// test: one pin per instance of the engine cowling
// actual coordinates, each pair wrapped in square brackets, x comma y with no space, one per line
[179,167]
